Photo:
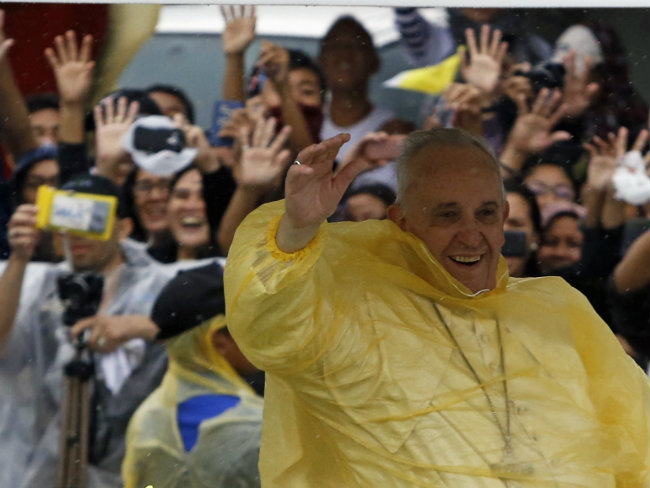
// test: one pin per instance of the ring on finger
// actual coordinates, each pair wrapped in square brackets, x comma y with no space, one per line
[101,341]
[297,163]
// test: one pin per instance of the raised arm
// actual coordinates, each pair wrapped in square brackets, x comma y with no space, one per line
[237,36]
[73,69]
[275,61]
[313,191]
[111,123]
[261,165]
[14,120]
[23,237]
[533,128]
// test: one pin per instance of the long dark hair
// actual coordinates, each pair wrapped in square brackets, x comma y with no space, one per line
[166,251]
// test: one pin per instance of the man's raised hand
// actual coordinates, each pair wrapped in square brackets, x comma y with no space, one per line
[313,191]
[72,66]
[240,28]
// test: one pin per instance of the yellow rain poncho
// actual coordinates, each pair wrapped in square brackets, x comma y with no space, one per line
[384,371]
[227,449]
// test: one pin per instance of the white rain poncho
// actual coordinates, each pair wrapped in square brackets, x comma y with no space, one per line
[383,370]
[31,375]
[227,449]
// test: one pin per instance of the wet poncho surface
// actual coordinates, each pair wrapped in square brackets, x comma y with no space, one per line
[383,370]
[226,451]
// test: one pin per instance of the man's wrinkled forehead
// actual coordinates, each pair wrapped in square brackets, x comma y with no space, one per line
[431,156]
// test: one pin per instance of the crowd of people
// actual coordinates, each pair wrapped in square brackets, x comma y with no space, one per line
[174,402]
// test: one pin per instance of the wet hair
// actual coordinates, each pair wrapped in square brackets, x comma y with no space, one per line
[420,139]
[178,93]
[300,60]
[42,101]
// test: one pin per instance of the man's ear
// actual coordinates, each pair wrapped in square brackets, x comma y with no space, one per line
[125,227]
[396,214]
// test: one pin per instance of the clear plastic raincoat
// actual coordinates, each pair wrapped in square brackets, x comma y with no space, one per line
[227,451]
[31,379]
[383,370]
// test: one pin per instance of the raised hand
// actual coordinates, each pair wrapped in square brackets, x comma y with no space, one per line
[312,190]
[577,92]
[483,68]
[275,61]
[465,100]
[22,232]
[532,132]
[72,66]
[112,160]
[602,160]
[240,28]
[263,158]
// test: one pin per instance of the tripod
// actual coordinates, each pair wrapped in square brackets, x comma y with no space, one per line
[75,424]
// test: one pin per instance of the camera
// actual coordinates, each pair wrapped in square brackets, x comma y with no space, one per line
[544,75]
[81,294]
[153,140]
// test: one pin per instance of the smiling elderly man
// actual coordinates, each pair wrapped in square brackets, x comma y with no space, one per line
[400,353]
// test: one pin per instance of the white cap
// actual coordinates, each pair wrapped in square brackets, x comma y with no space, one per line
[583,42]
[161,163]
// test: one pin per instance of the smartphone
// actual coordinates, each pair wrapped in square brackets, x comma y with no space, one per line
[223,109]
[152,140]
[388,149]
[515,245]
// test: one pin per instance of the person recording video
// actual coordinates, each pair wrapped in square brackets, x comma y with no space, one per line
[35,344]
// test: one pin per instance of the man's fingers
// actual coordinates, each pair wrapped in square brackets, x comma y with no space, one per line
[641,139]
[280,139]
[134,107]
[495,43]
[621,141]
[109,106]
[52,58]
[86,48]
[98,115]
[485,38]
[120,115]
[560,135]
[80,326]
[71,45]
[61,51]
[471,42]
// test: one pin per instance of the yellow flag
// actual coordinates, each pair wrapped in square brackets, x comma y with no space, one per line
[430,79]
